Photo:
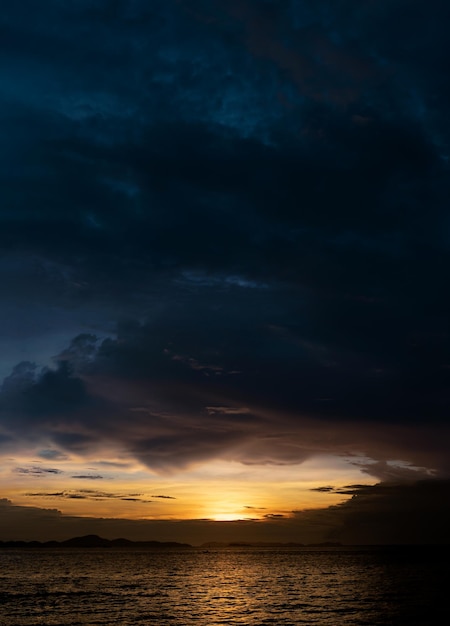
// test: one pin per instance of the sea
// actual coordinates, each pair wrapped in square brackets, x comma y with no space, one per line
[224,586]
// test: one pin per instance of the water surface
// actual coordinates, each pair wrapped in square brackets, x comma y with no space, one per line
[245,586]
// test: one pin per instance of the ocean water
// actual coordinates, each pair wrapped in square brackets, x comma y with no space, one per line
[227,586]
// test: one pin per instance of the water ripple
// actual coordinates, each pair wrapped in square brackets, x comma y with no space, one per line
[218,588]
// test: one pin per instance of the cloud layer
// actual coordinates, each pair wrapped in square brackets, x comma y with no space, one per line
[227,221]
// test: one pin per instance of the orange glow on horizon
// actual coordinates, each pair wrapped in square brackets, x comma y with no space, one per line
[217,490]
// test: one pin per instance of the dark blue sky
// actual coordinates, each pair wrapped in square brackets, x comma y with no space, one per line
[229,216]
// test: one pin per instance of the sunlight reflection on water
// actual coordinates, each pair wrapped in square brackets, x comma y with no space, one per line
[218,587]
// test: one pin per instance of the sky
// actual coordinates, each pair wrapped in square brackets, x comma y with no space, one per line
[224,251]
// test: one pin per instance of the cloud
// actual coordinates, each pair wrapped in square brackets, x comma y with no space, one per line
[390,471]
[88,476]
[134,398]
[397,513]
[91,494]
[37,471]
[54,494]
[258,287]
[227,410]
[164,497]
[53,455]
[48,392]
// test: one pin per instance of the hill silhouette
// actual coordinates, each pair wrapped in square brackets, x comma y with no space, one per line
[93,541]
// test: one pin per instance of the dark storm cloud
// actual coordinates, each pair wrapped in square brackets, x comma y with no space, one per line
[260,191]
[414,513]
[166,407]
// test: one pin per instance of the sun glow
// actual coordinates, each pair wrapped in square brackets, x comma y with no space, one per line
[226,517]
[217,490]
[223,515]
[228,511]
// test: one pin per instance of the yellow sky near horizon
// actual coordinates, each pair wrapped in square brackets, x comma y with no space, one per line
[216,490]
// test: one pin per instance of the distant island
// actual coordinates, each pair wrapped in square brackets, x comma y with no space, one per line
[94,541]
[270,544]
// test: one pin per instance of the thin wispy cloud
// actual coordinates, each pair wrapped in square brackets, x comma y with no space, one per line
[88,476]
[37,471]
